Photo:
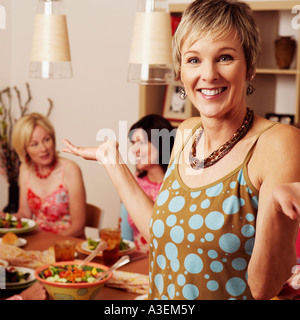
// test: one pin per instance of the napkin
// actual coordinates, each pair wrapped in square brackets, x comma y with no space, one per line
[25,258]
[129,281]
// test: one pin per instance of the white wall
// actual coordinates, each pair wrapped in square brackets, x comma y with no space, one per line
[5,75]
[98,95]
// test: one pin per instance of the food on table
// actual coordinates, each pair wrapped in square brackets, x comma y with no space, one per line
[71,274]
[26,258]
[129,281]
[123,245]
[13,275]
[3,263]
[10,238]
[92,244]
[12,222]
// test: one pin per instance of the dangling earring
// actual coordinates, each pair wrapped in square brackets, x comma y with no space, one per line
[250,88]
[27,159]
[182,93]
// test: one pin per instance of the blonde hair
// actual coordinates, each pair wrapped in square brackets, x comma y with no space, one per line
[22,132]
[216,19]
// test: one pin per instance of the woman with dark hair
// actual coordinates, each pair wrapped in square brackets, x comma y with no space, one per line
[152,138]
[159,132]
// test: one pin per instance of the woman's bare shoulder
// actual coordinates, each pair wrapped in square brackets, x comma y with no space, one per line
[278,150]
[281,136]
[70,166]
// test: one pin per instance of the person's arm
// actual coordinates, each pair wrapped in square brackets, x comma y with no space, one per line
[126,230]
[134,198]
[34,292]
[274,252]
[23,211]
[77,199]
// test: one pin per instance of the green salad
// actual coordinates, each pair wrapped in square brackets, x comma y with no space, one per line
[92,244]
[12,222]
[71,274]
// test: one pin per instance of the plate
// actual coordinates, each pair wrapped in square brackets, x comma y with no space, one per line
[22,285]
[84,248]
[142,297]
[21,242]
[31,226]
[3,263]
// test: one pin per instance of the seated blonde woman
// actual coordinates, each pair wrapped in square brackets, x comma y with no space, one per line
[51,188]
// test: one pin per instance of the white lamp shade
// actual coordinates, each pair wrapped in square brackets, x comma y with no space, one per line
[151,47]
[152,39]
[50,39]
[50,56]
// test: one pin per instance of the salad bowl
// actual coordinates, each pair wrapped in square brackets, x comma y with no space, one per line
[67,281]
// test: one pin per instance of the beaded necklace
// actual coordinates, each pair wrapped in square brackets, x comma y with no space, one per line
[218,154]
[44,176]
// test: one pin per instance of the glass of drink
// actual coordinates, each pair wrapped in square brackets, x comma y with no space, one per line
[64,250]
[112,236]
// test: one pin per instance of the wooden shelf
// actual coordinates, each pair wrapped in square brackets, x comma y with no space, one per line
[272,84]
[272,5]
[277,71]
[255,5]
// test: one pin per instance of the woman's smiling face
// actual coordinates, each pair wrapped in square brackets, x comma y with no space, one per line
[214,74]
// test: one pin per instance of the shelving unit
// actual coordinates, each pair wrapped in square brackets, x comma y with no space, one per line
[273,85]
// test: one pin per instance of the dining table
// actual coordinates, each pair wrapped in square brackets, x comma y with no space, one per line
[139,263]
[42,240]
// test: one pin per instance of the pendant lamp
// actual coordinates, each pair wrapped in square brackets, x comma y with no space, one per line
[50,56]
[150,60]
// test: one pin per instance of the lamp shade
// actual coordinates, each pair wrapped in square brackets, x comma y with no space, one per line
[50,56]
[150,60]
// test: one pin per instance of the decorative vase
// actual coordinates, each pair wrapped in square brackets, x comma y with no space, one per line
[284,51]
[13,198]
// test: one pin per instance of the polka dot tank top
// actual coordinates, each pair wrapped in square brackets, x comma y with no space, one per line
[202,238]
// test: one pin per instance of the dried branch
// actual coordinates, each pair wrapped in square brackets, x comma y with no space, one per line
[28,100]
[50,107]
[23,109]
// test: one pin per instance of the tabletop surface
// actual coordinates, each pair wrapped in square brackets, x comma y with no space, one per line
[41,240]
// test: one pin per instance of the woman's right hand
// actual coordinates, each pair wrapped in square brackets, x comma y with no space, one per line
[107,153]
[88,153]
[287,199]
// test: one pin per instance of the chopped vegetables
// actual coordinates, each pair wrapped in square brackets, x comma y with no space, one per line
[11,222]
[12,275]
[92,244]
[71,274]
[123,245]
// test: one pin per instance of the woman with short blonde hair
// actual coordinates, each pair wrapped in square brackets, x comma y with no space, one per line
[51,187]
[22,132]
[216,19]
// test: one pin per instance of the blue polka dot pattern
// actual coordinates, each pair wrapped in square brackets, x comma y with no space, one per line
[202,239]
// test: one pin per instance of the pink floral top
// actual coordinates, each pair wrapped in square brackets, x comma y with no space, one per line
[151,189]
[51,213]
